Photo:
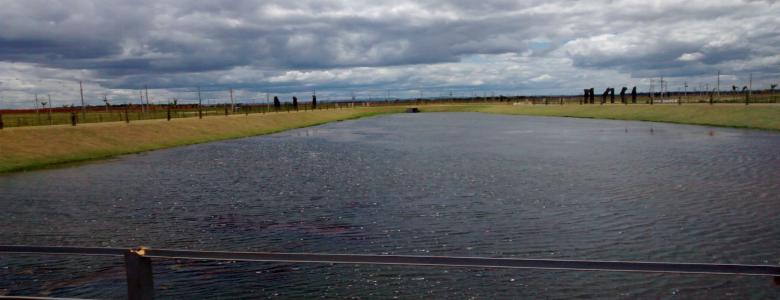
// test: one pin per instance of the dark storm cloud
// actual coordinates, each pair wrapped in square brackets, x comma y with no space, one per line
[174,43]
[202,36]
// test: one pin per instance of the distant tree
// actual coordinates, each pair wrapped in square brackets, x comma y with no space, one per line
[623,94]
[611,95]
[313,101]
[586,96]
[295,103]
[277,104]
[592,95]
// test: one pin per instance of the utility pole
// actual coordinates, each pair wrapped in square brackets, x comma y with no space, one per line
[50,105]
[200,105]
[147,95]
[652,90]
[685,91]
[141,94]
[717,88]
[750,89]
[37,113]
[83,107]
[232,104]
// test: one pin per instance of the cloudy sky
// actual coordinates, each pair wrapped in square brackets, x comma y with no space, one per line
[377,48]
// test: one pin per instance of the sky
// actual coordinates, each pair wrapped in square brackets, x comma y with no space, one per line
[377,49]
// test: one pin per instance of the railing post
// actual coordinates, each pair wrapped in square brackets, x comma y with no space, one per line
[140,284]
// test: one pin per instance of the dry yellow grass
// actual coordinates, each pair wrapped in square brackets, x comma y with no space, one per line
[35,147]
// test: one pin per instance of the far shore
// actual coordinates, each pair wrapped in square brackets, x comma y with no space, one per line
[28,148]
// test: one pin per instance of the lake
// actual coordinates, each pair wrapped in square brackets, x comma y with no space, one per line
[461,184]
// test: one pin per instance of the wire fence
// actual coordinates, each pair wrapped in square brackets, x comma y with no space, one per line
[208,103]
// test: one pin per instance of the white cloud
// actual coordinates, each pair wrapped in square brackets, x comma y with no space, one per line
[541,78]
[693,56]
[532,46]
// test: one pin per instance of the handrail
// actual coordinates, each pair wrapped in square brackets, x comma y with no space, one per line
[447,261]
[64,250]
[451,261]
[139,273]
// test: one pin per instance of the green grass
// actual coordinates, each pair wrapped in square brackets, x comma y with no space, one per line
[26,148]
[755,116]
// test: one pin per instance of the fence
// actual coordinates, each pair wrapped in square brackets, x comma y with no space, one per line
[133,112]
[136,112]
[140,277]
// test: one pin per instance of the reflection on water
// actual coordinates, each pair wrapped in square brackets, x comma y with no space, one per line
[460,184]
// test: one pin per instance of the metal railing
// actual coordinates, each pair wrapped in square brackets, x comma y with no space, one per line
[140,283]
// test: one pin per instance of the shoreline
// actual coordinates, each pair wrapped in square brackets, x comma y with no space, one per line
[43,147]
[754,116]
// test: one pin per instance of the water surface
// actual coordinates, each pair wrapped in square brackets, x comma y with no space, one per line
[462,184]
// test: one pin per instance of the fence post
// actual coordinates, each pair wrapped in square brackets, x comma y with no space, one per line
[140,283]
[73,119]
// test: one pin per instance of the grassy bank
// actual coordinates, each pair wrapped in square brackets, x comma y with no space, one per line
[28,148]
[758,116]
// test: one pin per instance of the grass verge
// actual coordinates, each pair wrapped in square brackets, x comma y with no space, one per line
[755,116]
[27,148]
